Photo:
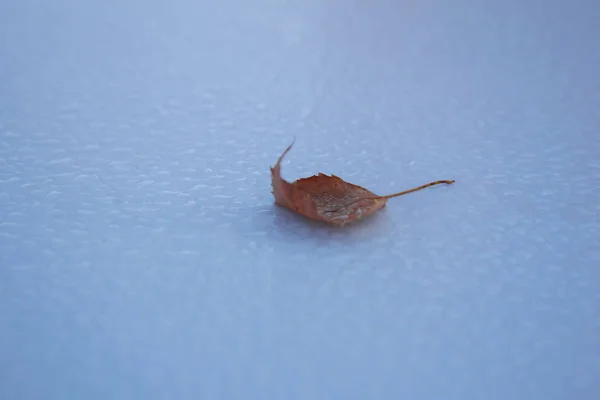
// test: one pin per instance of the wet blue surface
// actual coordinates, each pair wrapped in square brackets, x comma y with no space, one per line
[141,254]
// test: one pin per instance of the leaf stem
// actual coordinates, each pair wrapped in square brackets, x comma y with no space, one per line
[389,196]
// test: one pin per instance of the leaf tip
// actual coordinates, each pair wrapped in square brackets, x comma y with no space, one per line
[284,153]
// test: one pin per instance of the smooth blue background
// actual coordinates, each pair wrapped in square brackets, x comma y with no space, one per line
[142,257]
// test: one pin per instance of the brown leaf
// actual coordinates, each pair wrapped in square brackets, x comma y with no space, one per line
[329,198]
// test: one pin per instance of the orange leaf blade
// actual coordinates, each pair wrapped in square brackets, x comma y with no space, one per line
[323,198]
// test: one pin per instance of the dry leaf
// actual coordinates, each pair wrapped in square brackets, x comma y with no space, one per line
[329,198]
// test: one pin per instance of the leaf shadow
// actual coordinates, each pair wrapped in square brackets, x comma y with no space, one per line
[288,225]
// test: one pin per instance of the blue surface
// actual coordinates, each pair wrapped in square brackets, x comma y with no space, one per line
[142,256]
